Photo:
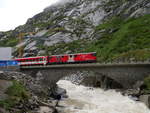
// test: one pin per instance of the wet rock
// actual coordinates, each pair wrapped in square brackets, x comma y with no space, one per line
[58,93]
[145,99]
[101,82]
[131,92]
[45,109]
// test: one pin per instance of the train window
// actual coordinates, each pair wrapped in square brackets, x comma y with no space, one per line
[94,54]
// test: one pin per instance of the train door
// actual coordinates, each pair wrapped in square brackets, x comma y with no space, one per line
[71,58]
[44,60]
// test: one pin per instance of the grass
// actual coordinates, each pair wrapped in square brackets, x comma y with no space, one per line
[11,42]
[137,55]
[16,93]
[147,84]
[122,36]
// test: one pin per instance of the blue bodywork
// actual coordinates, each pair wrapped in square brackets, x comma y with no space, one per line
[4,63]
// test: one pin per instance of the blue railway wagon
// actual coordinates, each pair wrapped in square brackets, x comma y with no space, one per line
[4,63]
[12,63]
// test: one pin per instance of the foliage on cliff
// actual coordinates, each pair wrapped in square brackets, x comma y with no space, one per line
[122,37]
[16,93]
[147,85]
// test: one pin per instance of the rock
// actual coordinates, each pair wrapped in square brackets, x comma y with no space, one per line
[44,109]
[145,99]
[58,93]
[4,85]
[131,92]
[32,83]
[2,110]
[38,92]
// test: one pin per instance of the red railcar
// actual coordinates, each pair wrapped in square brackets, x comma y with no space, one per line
[72,58]
[58,59]
[40,60]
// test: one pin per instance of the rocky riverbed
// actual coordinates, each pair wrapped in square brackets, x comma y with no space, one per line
[95,100]
[30,96]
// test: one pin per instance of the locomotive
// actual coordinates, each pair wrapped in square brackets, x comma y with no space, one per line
[58,59]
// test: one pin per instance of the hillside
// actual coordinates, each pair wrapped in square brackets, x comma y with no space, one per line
[115,29]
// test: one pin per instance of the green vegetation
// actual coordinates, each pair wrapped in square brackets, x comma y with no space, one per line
[147,84]
[137,55]
[11,42]
[122,36]
[16,93]
[74,47]
[117,39]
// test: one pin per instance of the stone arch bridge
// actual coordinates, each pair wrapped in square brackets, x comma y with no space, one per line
[126,74]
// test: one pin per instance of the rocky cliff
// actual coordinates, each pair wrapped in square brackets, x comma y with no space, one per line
[115,29]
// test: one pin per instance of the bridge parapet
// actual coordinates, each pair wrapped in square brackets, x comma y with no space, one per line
[126,74]
[87,65]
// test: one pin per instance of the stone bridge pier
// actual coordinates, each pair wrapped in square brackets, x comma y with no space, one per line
[126,75]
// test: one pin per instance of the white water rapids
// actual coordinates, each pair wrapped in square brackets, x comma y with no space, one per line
[95,100]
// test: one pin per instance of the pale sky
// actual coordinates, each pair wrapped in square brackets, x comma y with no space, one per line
[16,12]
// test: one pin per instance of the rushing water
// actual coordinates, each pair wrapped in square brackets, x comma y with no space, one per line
[95,100]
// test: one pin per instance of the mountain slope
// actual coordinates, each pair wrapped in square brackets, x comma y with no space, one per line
[112,28]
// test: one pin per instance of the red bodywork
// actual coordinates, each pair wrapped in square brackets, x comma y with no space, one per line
[40,60]
[89,57]
[58,59]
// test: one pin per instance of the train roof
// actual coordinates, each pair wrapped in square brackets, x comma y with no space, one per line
[29,57]
[54,55]
[73,54]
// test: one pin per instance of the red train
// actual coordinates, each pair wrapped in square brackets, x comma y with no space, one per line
[58,59]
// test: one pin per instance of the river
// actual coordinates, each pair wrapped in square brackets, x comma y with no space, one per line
[95,100]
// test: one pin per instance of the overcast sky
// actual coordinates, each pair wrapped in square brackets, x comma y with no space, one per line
[16,12]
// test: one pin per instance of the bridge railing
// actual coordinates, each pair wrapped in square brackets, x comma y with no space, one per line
[132,61]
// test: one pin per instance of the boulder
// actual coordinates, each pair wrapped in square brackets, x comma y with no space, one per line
[58,93]
[145,99]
